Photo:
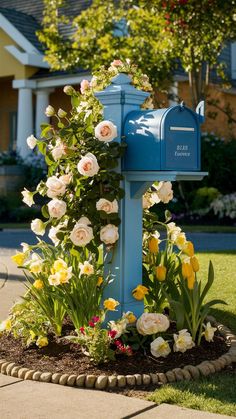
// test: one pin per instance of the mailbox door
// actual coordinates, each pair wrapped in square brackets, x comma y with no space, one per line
[141,132]
[180,140]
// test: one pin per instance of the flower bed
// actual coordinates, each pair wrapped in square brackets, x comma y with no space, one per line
[67,279]
[62,363]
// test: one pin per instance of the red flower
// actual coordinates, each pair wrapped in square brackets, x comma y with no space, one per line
[96,319]
[91,324]
[112,333]
[117,342]
[81,329]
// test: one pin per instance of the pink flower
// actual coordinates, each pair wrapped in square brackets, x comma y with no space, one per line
[116,63]
[84,85]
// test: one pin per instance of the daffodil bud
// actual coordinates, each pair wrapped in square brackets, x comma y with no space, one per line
[194,263]
[153,245]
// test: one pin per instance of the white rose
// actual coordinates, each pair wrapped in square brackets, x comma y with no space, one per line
[55,187]
[88,165]
[56,208]
[37,226]
[50,111]
[68,90]
[209,332]
[165,192]
[183,341]
[107,206]
[109,234]
[82,233]
[106,131]
[31,141]
[86,268]
[159,347]
[151,323]
[28,197]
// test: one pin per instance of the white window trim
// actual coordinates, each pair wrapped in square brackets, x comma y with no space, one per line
[25,58]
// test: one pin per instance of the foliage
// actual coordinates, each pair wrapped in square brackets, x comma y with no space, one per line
[188,306]
[96,341]
[158,34]
[9,158]
[28,321]
[225,206]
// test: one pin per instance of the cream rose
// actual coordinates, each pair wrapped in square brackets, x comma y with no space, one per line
[88,165]
[84,85]
[59,150]
[38,227]
[82,233]
[106,131]
[109,234]
[55,187]
[31,141]
[49,111]
[107,206]
[151,323]
[66,179]
[165,192]
[56,208]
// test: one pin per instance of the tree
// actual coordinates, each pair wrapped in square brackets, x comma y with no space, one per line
[158,35]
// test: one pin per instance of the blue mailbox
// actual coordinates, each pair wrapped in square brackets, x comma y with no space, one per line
[163,139]
[162,144]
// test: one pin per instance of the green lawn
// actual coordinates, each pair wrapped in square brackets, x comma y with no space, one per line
[216,393]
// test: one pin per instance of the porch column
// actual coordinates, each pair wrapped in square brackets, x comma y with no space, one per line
[174,90]
[42,101]
[25,125]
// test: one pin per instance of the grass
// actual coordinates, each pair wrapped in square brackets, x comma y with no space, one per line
[215,393]
[208,228]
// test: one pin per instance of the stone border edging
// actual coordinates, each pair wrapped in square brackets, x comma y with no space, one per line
[103,382]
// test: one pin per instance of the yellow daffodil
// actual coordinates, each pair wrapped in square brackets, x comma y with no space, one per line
[99,281]
[153,245]
[139,292]
[187,270]
[161,273]
[194,263]
[42,341]
[189,249]
[58,265]
[110,304]
[38,284]
[19,258]
[5,325]
[130,317]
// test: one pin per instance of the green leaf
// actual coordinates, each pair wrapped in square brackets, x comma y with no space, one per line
[75,101]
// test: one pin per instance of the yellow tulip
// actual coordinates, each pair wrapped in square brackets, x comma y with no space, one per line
[131,317]
[194,263]
[161,273]
[187,270]
[191,281]
[110,304]
[139,292]
[99,281]
[189,249]
[19,258]
[38,284]
[153,245]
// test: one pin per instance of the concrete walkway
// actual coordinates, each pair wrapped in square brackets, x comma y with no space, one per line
[29,399]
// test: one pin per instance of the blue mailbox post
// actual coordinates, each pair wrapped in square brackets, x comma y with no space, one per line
[162,144]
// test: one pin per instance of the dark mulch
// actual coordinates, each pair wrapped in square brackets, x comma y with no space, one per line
[63,356]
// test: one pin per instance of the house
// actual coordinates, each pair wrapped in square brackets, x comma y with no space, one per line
[27,86]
